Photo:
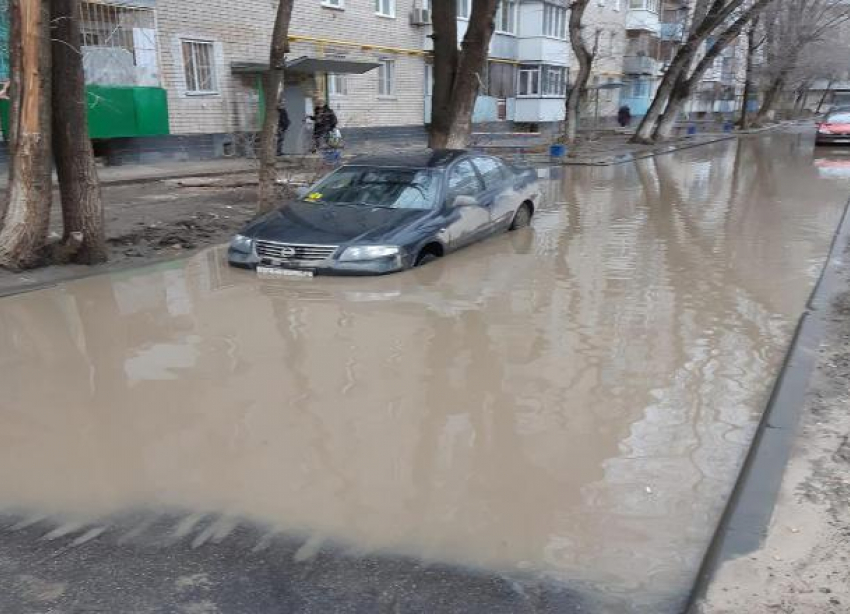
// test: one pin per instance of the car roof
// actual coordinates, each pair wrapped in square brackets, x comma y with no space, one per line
[423,158]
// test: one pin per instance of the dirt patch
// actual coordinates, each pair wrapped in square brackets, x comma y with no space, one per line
[803,566]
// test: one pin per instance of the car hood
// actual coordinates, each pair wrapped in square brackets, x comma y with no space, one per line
[314,223]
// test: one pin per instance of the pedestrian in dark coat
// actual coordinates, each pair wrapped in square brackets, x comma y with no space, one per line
[282,127]
[624,116]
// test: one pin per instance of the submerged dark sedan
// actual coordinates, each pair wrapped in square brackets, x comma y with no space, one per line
[384,214]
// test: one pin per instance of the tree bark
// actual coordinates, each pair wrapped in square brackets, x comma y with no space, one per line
[826,92]
[680,64]
[685,83]
[272,89]
[451,118]
[79,186]
[24,230]
[771,94]
[444,18]
[716,14]
[752,46]
[585,63]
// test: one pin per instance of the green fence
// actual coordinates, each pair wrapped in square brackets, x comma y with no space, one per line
[4,40]
[119,112]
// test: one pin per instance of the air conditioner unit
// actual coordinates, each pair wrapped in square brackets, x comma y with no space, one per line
[420,17]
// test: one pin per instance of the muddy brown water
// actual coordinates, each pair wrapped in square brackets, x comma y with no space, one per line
[570,401]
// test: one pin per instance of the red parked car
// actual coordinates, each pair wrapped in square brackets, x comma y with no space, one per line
[834,129]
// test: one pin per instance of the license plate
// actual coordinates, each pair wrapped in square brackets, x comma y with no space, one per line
[271,271]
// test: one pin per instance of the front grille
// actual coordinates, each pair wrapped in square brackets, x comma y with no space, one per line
[293,251]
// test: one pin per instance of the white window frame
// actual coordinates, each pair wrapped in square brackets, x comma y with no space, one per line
[385,8]
[644,5]
[554,21]
[194,44]
[546,81]
[386,86]
[463,7]
[334,4]
[513,7]
[530,70]
[337,84]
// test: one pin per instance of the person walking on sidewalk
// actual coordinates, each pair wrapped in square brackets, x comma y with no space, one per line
[624,116]
[325,121]
[282,126]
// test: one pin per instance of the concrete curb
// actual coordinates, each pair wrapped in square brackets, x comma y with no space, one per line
[746,518]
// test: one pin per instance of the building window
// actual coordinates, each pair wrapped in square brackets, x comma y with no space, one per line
[644,5]
[429,80]
[501,80]
[529,80]
[463,9]
[554,21]
[385,8]
[337,85]
[506,16]
[119,44]
[386,78]
[334,4]
[199,67]
[554,81]
[638,88]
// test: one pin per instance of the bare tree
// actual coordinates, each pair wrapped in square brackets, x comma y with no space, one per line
[24,228]
[755,39]
[791,27]
[585,62]
[82,207]
[710,18]
[272,89]
[687,81]
[457,74]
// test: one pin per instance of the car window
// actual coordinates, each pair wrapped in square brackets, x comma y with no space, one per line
[838,118]
[464,181]
[395,188]
[491,170]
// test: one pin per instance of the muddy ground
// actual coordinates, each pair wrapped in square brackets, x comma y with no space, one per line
[802,567]
[156,220]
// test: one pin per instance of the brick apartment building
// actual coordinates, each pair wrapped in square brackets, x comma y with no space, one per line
[181,78]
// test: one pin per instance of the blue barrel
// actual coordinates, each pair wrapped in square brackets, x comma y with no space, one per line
[727,127]
[692,130]
[557,150]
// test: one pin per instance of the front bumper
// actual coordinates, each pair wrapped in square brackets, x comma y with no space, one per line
[331,266]
[832,139]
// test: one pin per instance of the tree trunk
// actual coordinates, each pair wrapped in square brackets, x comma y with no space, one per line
[454,128]
[752,46]
[685,84]
[681,62]
[82,207]
[24,230]
[826,92]
[272,89]
[444,18]
[770,97]
[678,97]
[585,63]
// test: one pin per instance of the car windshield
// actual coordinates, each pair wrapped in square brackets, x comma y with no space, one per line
[391,188]
[839,118]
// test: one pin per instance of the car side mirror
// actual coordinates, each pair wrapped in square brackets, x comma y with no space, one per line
[302,191]
[464,200]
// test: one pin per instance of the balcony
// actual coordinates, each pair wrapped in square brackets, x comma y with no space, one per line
[672,31]
[643,21]
[640,65]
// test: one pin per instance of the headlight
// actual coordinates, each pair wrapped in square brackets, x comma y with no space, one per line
[241,243]
[369,252]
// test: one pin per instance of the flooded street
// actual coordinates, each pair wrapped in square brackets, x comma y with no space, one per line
[569,402]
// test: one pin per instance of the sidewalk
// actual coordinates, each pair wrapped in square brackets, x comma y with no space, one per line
[802,566]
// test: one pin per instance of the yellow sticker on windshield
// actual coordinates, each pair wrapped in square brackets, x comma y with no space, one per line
[314,196]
